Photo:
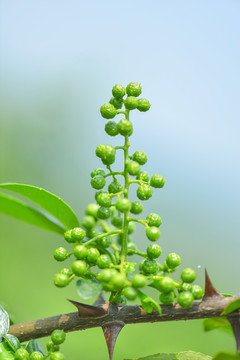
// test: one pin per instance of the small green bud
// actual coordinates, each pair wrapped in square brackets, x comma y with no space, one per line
[98,171]
[139,281]
[68,236]
[36,355]
[140,157]
[173,260]
[103,213]
[125,127]
[134,89]
[91,210]
[118,91]
[56,356]
[185,299]
[51,347]
[118,280]
[133,168]
[117,103]
[92,233]
[154,251]
[130,293]
[106,275]
[188,275]
[153,233]
[131,227]
[108,111]
[111,128]
[105,242]
[166,284]
[58,337]
[153,220]
[98,182]
[80,252]
[60,254]
[104,199]
[103,262]
[21,354]
[79,267]
[108,155]
[92,256]
[167,299]
[123,205]
[143,105]
[136,208]
[88,222]
[100,150]
[78,234]
[144,176]
[157,181]
[150,267]
[117,221]
[131,103]
[61,280]
[144,192]
[66,271]
[115,187]
[197,292]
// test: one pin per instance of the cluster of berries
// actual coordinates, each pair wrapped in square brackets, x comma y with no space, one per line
[103,242]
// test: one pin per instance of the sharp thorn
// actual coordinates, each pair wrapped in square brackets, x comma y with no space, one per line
[111,331]
[100,299]
[87,311]
[235,323]
[210,290]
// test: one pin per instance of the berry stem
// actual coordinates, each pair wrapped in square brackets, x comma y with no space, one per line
[139,221]
[114,173]
[102,235]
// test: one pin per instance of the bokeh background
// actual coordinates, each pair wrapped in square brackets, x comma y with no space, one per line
[58,63]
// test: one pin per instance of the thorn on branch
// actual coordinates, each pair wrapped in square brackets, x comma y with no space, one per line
[210,290]
[111,331]
[88,311]
[235,323]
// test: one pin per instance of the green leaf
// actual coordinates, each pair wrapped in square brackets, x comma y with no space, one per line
[4,322]
[12,341]
[232,306]
[148,304]
[186,355]
[21,211]
[217,323]
[32,346]
[226,295]
[5,352]
[88,289]
[53,204]
[226,356]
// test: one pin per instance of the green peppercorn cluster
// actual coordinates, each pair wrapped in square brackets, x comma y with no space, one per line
[103,244]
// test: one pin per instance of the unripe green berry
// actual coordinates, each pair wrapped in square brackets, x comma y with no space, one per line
[68,236]
[111,128]
[56,356]
[131,247]
[108,155]
[100,150]
[108,111]
[185,299]
[117,103]
[92,256]
[153,220]
[157,181]
[115,187]
[167,299]
[134,89]
[123,205]
[21,354]
[92,233]
[105,242]
[80,252]
[143,176]
[136,208]
[118,280]
[98,171]
[125,127]
[150,267]
[154,251]
[103,262]
[118,91]
[91,209]
[133,168]
[144,192]
[173,260]
[130,293]
[79,267]
[103,213]
[139,281]
[106,275]
[78,234]
[143,105]
[36,355]
[188,275]
[131,227]
[131,103]
[104,199]
[58,337]
[185,287]
[98,182]
[88,222]
[61,280]
[140,157]
[197,292]
[66,271]
[166,285]
[117,221]
[60,254]
[153,233]
[51,347]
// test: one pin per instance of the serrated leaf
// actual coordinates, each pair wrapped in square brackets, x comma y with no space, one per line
[4,322]
[217,323]
[18,209]
[186,355]
[53,204]
[88,289]
[232,306]
[32,346]
[226,356]
[12,341]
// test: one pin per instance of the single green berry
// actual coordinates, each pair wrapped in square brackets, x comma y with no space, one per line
[78,234]
[131,248]
[107,286]
[139,281]
[56,356]
[108,111]
[143,176]
[153,233]
[140,157]
[115,187]
[134,89]
[173,260]
[131,227]
[92,233]
[21,354]
[143,105]
[100,150]
[144,192]
[104,199]
[91,209]
[103,213]
[108,155]
[130,293]
[58,337]
[197,292]
[136,208]
[36,355]
[154,251]
[51,347]
[103,262]
[185,287]
[157,181]
[118,280]
[185,299]
[131,103]
[118,91]
[88,222]
[61,280]
[166,284]
[60,254]
[153,220]
[117,103]
[123,204]
[150,267]
[167,299]
[111,128]
[98,182]
[105,242]
[98,171]
[106,275]
[66,271]
[133,168]
[92,256]
[68,236]
[79,267]
[80,252]
[117,221]
[125,127]
[188,275]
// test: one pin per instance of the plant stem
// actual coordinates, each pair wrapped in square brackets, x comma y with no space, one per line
[101,236]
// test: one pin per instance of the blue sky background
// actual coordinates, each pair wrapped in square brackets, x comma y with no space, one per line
[58,63]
